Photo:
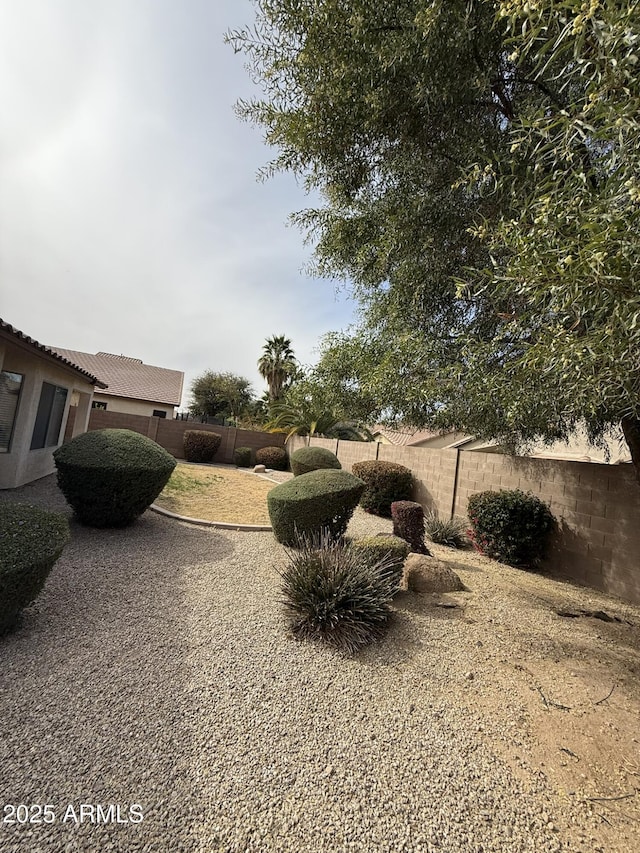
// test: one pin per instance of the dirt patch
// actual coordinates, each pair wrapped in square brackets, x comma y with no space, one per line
[217,493]
[560,697]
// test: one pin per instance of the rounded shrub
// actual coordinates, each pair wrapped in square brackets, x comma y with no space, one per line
[307,459]
[510,526]
[311,503]
[332,594]
[110,476]
[31,540]
[408,524]
[392,550]
[242,457]
[200,445]
[385,482]
[272,457]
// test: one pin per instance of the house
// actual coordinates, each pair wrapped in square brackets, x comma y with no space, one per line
[578,449]
[134,388]
[36,389]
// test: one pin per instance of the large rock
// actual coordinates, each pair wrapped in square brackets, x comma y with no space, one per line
[426,574]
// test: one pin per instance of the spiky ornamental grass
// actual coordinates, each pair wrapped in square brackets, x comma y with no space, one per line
[446,531]
[331,593]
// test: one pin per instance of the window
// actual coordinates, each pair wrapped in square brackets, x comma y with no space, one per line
[158,413]
[46,432]
[99,404]
[10,385]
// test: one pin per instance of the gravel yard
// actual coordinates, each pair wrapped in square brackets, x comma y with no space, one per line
[155,669]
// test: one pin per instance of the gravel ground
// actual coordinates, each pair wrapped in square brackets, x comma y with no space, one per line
[155,669]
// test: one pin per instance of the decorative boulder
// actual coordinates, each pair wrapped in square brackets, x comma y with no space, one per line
[425,574]
[259,469]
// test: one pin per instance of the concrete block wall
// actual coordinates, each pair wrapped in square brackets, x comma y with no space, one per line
[434,474]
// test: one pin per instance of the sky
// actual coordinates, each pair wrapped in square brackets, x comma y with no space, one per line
[131,219]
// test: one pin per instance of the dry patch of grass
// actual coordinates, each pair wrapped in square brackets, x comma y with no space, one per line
[216,494]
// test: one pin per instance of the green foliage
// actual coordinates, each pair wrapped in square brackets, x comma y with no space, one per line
[200,445]
[478,164]
[392,550]
[446,531]
[242,457]
[272,457]
[333,594]
[223,395]
[278,366]
[307,459]
[408,524]
[386,482]
[310,503]
[31,540]
[510,526]
[303,420]
[111,476]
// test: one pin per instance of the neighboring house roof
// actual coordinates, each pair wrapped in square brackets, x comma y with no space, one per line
[129,377]
[47,351]
[402,438]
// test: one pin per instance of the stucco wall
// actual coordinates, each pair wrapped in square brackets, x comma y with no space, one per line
[21,464]
[127,406]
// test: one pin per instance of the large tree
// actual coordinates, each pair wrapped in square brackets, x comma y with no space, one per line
[277,365]
[479,162]
[220,394]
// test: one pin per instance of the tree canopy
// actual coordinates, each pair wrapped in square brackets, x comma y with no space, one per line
[479,165]
[220,395]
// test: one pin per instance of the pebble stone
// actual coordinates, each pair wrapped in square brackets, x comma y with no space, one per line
[156,669]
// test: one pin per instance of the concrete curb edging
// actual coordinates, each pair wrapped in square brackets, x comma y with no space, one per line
[224,525]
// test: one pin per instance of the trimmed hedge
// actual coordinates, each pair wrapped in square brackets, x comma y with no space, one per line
[111,476]
[308,459]
[200,445]
[272,457]
[312,503]
[385,482]
[408,524]
[392,550]
[510,526]
[31,540]
[242,457]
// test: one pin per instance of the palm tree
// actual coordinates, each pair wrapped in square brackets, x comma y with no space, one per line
[277,365]
[302,419]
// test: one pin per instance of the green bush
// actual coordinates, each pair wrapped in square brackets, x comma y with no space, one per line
[385,482]
[110,476]
[242,457]
[408,524]
[310,503]
[391,549]
[334,595]
[272,457]
[446,531]
[31,540]
[200,445]
[308,459]
[510,526]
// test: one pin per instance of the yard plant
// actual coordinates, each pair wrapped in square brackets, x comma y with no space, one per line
[31,540]
[307,459]
[200,445]
[111,476]
[272,457]
[385,482]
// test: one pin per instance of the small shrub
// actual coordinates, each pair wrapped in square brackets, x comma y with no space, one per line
[111,476]
[443,531]
[305,505]
[272,457]
[408,524]
[200,445]
[510,526]
[308,459]
[389,549]
[331,593]
[242,457]
[31,540]
[385,482]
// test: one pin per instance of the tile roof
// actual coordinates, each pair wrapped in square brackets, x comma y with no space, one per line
[129,377]
[403,437]
[20,336]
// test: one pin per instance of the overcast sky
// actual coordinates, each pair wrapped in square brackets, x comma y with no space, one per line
[131,220]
